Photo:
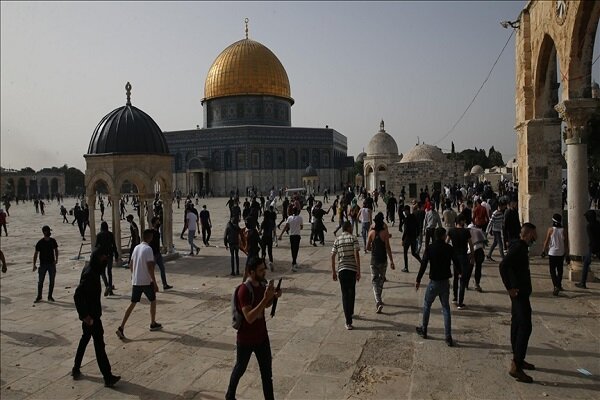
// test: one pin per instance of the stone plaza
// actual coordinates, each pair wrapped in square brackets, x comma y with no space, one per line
[314,357]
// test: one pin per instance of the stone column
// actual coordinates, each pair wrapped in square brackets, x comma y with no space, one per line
[540,171]
[577,114]
[91,202]
[115,194]
[168,223]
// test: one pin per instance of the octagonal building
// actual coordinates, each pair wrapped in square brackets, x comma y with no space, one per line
[247,139]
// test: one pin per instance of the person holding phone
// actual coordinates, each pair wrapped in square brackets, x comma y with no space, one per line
[252,337]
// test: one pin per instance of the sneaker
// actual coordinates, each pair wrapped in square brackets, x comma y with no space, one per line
[294,267]
[50,298]
[555,291]
[106,292]
[518,373]
[449,341]
[422,332]
[197,250]
[349,327]
[37,300]
[75,373]
[191,254]
[120,333]
[167,287]
[379,308]
[405,269]
[110,293]
[461,306]
[581,285]
[155,326]
[478,288]
[111,380]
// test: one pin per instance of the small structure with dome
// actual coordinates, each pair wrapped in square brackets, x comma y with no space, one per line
[310,179]
[422,167]
[128,154]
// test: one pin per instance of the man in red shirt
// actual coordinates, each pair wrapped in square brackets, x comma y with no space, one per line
[252,337]
[480,216]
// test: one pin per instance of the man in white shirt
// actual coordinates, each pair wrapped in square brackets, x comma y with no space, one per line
[191,221]
[142,281]
[293,225]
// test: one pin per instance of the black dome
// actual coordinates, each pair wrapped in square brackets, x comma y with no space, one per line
[128,130]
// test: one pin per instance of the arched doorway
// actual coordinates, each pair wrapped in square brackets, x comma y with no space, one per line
[382,179]
[44,187]
[369,178]
[54,186]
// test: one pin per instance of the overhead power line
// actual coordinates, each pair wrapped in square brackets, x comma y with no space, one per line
[478,91]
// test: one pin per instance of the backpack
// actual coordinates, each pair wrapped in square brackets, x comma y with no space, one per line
[237,316]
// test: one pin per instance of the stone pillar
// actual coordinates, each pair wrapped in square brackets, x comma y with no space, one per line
[540,171]
[91,202]
[115,194]
[577,114]
[168,223]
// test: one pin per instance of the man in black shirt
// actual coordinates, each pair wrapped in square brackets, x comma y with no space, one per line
[514,270]
[511,224]
[106,241]
[392,203]
[158,258]
[206,225]
[439,255]
[419,214]
[89,308]
[461,238]
[409,237]
[47,249]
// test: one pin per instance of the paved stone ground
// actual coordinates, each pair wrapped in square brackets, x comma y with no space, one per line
[314,357]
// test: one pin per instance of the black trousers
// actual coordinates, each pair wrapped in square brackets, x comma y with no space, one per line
[295,245]
[264,358]
[428,236]
[479,257]
[520,327]
[412,244]
[267,247]
[347,280]
[556,269]
[95,331]
[205,234]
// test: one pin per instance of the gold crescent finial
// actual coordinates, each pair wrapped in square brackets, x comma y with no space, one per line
[128,92]
[246,22]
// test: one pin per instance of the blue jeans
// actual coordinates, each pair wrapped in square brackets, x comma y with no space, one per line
[439,289]
[497,241]
[158,259]
[365,232]
[191,234]
[51,270]
[587,260]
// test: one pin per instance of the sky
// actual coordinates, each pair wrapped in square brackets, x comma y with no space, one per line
[416,65]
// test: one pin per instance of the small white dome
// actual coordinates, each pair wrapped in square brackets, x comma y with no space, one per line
[382,143]
[476,170]
[424,152]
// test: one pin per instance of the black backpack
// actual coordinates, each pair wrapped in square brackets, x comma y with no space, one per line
[237,316]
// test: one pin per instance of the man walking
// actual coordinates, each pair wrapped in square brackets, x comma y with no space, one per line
[495,227]
[87,301]
[593,232]
[293,225]
[135,235]
[461,242]
[192,224]
[3,222]
[438,255]
[379,246]
[346,249]
[511,224]
[252,298]
[105,240]
[47,250]
[142,281]
[158,258]
[206,224]
[409,236]
[514,270]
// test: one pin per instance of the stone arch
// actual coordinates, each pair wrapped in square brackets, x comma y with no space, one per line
[54,185]
[138,178]
[99,179]
[44,186]
[21,187]
[581,52]
[546,84]
[382,168]
[195,163]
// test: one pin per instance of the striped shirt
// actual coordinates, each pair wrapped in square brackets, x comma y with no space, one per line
[345,247]
[495,224]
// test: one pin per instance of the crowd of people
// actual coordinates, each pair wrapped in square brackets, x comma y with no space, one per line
[448,231]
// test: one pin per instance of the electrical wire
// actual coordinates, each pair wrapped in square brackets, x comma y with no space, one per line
[478,91]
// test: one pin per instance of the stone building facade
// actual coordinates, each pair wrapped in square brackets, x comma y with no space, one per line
[30,185]
[247,139]
[424,166]
[555,38]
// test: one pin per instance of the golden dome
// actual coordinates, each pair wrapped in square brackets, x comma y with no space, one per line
[247,68]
